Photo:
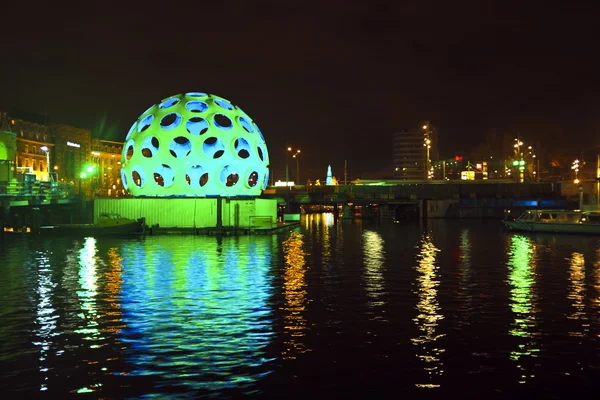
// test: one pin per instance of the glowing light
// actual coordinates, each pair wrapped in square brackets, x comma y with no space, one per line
[71,144]
[577,293]
[522,278]
[428,312]
[374,260]
[207,132]
[294,287]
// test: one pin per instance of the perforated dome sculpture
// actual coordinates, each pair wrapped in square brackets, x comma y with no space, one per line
[194,144]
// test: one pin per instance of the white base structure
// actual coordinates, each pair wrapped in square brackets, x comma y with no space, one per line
[192,212]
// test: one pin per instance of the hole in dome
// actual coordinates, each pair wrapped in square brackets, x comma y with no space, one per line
[130,131]
[170,121]
[242,148]
[196,106]
[129,152]
[228,176]
[137,178]
[150,147]
[160,181]
[124,178]
[266,180]
[253,179]
[145,123]
[163,175]
[196,126]
[222,121]
[196,176]
[243,153]
[169,102]
[213,147]
[246,125]
[232,179]
[204,179]
[224,104]
[260,154]
[259,132]
[180,147]
[196,94]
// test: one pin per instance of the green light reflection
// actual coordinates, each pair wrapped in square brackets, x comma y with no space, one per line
[197,312]
[521,265]
[426,347]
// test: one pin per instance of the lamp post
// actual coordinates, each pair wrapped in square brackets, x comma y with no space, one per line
[287,178]
[575,167]
[519,158]
[47,151]
[296,156]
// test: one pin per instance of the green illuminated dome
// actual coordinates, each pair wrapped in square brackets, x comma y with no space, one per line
[195,144]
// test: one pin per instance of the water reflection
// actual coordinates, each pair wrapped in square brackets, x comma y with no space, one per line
[464,277]
[521,264]
[577,293]
[88,278]
[596,301]
[374,259]
[46,315]
[427,348]
[294,290]
[197,312]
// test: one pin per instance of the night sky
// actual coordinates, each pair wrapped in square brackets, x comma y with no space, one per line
[334,78]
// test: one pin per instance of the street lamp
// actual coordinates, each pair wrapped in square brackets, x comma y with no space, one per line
[286,165]
[47,151]
[575,167]
[297,156]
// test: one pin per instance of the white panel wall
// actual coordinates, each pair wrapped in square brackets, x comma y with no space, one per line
[186,213]
[167,213]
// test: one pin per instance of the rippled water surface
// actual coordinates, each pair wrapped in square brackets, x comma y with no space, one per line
[434,309]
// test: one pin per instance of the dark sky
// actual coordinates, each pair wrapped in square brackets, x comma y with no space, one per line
[334,78]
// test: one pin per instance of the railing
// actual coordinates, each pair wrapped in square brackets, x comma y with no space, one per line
[55,190]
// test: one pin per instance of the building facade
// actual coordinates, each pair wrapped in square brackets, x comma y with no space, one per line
[105,159]
[33,144]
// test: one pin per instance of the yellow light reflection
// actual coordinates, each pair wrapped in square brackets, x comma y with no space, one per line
[374,258]
[428,313]
[112,290]
[521,277]
[294,287]
[596,300]
[577,293]
[464,273]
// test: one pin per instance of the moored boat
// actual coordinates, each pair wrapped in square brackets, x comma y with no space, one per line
[556,221]
[108,224]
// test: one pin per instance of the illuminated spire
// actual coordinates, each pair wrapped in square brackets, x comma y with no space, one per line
[329,180]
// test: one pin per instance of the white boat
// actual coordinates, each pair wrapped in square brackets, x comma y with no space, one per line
[556,221]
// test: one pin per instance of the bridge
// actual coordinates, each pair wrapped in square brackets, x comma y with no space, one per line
[426,198]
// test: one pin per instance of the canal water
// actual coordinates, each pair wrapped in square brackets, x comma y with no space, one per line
[353,309]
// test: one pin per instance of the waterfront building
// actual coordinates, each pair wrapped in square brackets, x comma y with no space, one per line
[8,149]
[31,140]
[413,153]
[72,153]
[105,160]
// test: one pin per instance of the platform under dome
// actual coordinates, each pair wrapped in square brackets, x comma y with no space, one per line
[195,144]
